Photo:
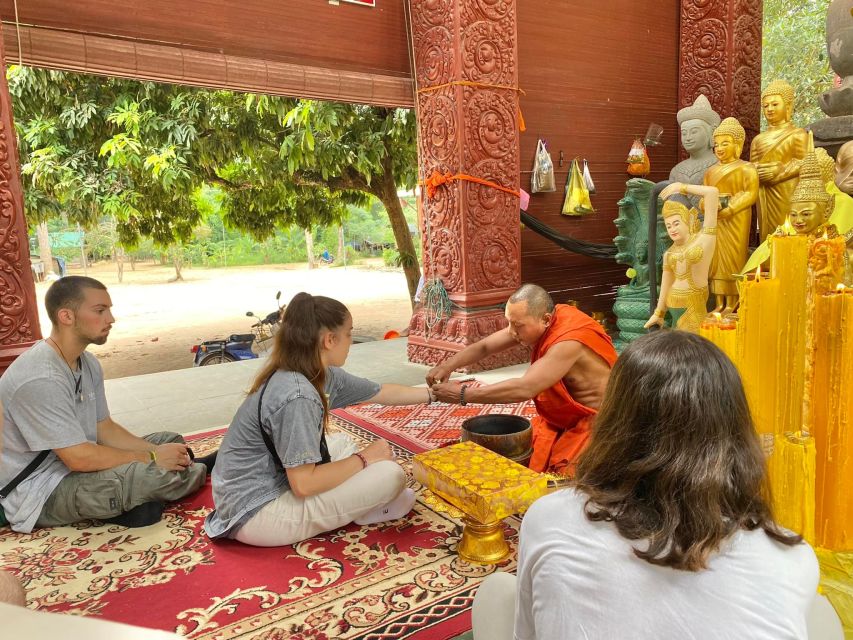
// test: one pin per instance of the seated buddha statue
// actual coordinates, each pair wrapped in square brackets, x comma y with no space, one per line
[737,182]
[686,264]
[777,153]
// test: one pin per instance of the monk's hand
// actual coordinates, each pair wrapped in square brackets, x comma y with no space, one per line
[438,374]
[450,392]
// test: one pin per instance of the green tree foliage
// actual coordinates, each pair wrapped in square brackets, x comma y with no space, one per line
[794,49]
[141,153]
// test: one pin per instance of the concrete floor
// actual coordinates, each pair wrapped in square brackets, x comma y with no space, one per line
[188,400]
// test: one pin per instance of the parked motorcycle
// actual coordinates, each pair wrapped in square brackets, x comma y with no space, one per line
[239,346]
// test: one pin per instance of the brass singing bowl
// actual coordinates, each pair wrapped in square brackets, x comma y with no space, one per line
[507,435]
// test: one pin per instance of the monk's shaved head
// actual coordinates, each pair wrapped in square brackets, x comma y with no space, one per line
[538,300]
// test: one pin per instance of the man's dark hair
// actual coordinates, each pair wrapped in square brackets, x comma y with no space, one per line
[539,301]
[68,293]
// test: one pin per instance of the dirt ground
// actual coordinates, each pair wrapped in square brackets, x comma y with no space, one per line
[157,321]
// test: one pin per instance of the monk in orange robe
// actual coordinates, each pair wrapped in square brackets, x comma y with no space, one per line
[570,363]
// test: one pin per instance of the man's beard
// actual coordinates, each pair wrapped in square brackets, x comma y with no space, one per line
[87,340]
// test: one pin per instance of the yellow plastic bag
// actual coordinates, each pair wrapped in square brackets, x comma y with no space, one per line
[577,202]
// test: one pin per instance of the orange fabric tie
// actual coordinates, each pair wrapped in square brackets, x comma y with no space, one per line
[438,179]
[470,83]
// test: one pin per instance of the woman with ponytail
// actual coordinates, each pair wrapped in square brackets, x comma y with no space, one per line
[279,478]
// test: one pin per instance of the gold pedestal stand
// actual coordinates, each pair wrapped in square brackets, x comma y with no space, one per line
[481,488]
[480,543]
[483,543]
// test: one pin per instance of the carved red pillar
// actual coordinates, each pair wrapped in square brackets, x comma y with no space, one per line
[471,233]
[721,57]
[19,323]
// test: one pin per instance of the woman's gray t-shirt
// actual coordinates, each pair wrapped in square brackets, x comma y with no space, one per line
[246,477]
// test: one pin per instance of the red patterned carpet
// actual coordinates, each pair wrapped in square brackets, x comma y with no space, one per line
[424,427]
[397,580]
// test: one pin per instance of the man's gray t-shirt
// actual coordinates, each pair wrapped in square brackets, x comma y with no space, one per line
[42,411]
[246,477]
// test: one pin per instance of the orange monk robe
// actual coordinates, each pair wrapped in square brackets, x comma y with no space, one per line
[562,428]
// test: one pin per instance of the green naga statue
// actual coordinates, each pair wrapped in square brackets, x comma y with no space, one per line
[632,300]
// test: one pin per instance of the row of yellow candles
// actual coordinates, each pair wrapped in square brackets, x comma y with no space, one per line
[781,338]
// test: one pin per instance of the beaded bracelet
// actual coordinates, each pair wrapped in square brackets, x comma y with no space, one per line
[462,395]
[358,455]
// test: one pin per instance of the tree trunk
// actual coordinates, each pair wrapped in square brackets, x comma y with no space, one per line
[342,250]
[45,253]
[118,254]
[132,262]
[400,227]
[83,261]
[309,246]
[178,262]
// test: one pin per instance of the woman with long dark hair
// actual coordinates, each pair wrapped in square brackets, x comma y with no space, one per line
[279,478]
[668,530]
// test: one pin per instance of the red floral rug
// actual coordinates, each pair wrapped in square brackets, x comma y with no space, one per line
[396,580]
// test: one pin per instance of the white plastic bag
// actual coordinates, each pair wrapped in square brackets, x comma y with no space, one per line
[543,171]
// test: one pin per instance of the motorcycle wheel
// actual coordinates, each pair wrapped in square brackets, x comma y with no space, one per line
[216,358]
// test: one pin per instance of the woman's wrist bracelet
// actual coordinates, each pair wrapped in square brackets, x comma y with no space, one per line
[462,395]
[361,457]
[683,189]
[152,456]
[660,313]
[429,396]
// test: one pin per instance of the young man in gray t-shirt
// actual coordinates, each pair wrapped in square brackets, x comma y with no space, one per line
[53,400]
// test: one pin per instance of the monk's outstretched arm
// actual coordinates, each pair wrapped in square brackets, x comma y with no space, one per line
[495,343]
[542,374]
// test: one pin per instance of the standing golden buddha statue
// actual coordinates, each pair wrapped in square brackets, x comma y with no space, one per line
[686,264]
[777,153]
[737,182]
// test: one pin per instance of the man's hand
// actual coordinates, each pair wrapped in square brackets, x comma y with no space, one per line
[377,451]
[172,456]
[438,374]
[450,392]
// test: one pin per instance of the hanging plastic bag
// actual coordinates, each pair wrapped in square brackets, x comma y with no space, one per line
[577,202]
[587,178]
[543,171]
[638,159]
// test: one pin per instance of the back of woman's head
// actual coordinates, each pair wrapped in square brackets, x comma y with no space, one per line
[298,341]
[674,457]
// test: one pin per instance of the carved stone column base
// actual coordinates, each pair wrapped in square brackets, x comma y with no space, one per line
[457,332]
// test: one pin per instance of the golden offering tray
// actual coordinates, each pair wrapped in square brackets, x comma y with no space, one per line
[482,487]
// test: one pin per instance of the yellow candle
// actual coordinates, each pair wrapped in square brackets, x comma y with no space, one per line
[757,343]
[831,419]
[789,265]
[792,477]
